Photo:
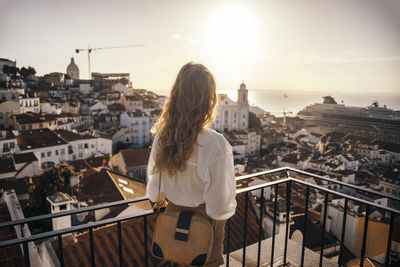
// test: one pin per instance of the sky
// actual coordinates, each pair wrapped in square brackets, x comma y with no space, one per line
[302,45]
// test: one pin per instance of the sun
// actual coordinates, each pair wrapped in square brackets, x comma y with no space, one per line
[231,32]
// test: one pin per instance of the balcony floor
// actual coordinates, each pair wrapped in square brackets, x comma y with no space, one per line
[311,258]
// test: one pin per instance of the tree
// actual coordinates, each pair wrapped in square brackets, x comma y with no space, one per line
[24,73]
[254,121]
[10,71]
[50,182]
[31,71]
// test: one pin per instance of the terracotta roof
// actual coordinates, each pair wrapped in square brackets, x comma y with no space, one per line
[7,165]
[71,136]
[130,188]
[99,187]
[116,107]
[290,159]
[77,253]
[9,256]
[132,97]
[38,138]
[19,185]
[31,117]
[9,135]
[95,162]
[135,157]
[79,165]
[24,157]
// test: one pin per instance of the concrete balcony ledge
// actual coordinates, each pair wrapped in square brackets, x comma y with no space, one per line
[311,258]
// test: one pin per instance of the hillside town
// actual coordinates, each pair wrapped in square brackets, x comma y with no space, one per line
[67,143]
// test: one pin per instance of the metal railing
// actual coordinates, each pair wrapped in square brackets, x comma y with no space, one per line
[287,182]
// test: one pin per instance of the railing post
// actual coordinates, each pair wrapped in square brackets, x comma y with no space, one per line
[146,253]
[260,229]
[346,202]
[228,237]
[305,226]
[26,255]
[321,255]
[274,225]
[364,237]
[389,244]
[91,247]
[61,250]
[121,262]
[245,230]
[288,193]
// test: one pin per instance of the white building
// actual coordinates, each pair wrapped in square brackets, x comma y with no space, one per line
[7,142]
[30,104]
[82,146]
[51,108]
[48,148]
[250,139]
[85,88]
[9,94]
[232,115]
[140,124]
[98,108]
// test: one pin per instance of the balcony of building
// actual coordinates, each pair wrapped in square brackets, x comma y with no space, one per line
[282,219]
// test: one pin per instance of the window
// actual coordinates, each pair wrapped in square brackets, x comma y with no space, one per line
[56,152]
[63,207]
[1,115]
[5,147]
[80,146]
[23,127]
[30,126]
[12,145]
[48,153]
[41,125]
[388,190]
[80,155]
[62,151]
[92,145]
[86,145]
[42,155]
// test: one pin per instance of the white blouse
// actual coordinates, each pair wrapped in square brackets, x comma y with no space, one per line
[208,178]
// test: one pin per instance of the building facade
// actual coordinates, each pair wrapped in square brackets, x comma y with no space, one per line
[232,115]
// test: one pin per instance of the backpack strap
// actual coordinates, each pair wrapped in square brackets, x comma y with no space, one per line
[183,225]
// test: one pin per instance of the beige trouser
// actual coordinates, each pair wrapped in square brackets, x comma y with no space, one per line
[216,258]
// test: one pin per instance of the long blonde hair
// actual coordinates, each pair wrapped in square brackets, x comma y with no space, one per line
[188,110]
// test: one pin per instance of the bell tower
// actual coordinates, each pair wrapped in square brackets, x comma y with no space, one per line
[243,94]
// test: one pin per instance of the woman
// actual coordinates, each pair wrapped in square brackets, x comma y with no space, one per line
[195,162]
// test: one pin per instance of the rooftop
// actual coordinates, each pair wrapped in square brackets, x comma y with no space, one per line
[136,157]
[34,139]
[24,157]
[69,136]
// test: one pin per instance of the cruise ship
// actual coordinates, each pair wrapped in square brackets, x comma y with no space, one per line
[372,121]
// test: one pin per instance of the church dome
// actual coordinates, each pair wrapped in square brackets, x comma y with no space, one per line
[242,85]
[73,70]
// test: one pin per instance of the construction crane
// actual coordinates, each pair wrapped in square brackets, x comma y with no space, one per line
[90,49]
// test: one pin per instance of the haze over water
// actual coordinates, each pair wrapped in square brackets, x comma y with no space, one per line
[276,101]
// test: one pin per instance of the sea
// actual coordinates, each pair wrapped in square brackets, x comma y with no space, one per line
[276,102]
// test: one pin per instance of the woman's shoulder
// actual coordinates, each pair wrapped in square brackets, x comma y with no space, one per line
[211,138]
